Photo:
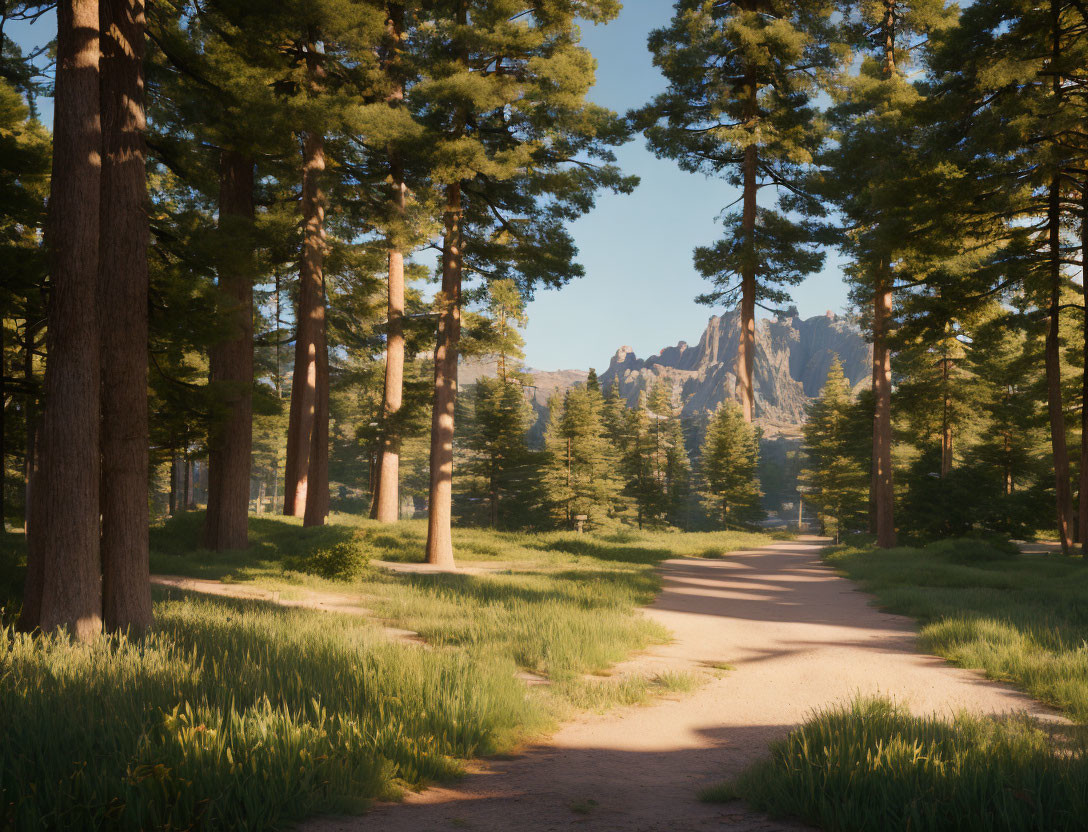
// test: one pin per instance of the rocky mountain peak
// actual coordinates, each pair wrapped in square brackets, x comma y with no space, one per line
[791,362]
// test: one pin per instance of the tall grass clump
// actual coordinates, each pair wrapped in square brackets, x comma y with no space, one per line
[1021,619]
[239,716]
[871,767]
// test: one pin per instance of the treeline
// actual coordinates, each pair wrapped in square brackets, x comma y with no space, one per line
[603,462]
[949,169]
[236,194]
[240,195]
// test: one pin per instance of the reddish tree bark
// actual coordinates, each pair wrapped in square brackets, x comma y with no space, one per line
[309,397]
[64,580]
[1063,488]
[440,506]
[226,524]
[385,503]
[882,486]
[1083,489]
[746,349]
[122,301]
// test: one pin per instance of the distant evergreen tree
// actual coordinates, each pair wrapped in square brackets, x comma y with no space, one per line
[498,463]
[580,469]
[839,485]
[643,486]
[729,461]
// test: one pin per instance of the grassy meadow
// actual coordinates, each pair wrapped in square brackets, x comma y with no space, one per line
[245,714]
[869,766]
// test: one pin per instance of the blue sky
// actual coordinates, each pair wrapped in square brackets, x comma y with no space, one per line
[640,284]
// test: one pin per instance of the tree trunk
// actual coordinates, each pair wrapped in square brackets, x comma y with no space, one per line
[230,443]
[3,446]
[946,423]
[1083,490]
[311,309]
[122,300]
[440,506]
[746,349]
[1063,489]
[64,579]
[30,419]
[187,480]
[385,502]
[317,493]
[173,484]
[883,490]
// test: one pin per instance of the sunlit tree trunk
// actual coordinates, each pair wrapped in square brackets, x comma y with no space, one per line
[1055,409]
[64,577]
[385,504]
[306,394]
[440,508]
[746,348]
[882,487]
[946,420]
[230,443]
[123,295]
[1083,489]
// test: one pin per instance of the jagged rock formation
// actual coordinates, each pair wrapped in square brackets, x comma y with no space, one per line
[791,363]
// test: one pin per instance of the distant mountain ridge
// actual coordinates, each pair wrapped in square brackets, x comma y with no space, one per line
[792,358]
[791,362]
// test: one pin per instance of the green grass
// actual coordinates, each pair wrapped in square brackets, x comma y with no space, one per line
[235,714]
[1021,619]
[872,767]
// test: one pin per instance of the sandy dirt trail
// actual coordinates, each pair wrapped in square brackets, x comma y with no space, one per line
[799,636]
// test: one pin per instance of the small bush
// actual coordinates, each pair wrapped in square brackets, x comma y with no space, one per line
[871,767]
[343,561]
[971,550]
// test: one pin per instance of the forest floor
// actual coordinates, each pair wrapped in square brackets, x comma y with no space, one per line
[786,636]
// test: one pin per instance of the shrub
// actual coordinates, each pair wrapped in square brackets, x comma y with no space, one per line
[871,767]
[343,561]
[974,549]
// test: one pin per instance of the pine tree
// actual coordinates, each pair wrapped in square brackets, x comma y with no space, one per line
[876,152]
[122,308]
[1004,80]
[838,485]
[499,459]
[579,474]
[502,101]
[728,464]
[63,583]
[25,154]
[643,486]
[742,75]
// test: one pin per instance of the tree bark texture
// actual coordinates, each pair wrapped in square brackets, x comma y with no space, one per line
[746,349]
[1083,489]
[309,340]
[226,524]
[440,506]
[387,487]
[883,487]
[64,579]
[1063,488]
[385,500]
[122,302]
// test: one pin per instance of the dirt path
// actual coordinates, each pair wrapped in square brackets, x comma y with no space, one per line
[799,637]
[310,599]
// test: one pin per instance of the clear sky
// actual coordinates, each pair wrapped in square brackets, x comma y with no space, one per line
[640,284]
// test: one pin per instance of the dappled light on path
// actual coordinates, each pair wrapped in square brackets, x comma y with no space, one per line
[797,638]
